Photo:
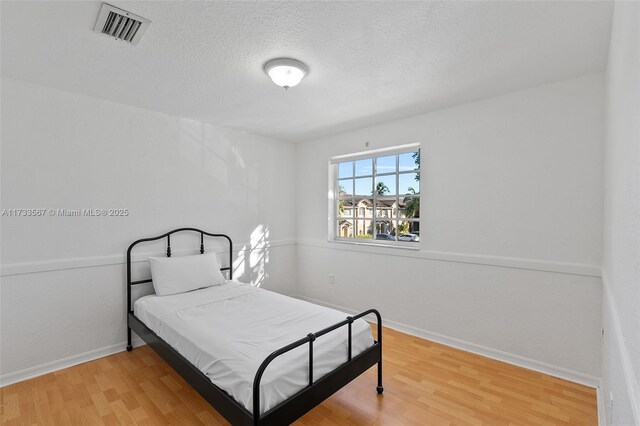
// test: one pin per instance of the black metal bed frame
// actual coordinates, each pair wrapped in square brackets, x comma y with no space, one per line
[290,409]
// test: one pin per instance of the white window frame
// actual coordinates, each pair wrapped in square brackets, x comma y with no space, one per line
[333,235]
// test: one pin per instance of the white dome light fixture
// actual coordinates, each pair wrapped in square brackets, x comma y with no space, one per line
[286,72]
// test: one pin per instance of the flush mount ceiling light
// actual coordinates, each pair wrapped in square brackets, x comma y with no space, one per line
[286,72]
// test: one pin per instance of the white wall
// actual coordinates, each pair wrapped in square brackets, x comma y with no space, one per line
[510,251]
[62,287]
[510,232]
[621,266]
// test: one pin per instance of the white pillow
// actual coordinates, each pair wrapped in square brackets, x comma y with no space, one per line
[172,275]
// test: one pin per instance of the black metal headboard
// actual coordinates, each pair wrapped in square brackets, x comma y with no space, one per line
[168,236]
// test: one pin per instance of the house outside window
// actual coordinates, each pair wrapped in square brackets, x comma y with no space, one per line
[377,197]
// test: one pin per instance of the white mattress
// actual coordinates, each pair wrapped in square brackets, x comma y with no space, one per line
[227,331]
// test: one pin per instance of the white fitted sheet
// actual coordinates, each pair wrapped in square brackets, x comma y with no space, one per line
[227,331]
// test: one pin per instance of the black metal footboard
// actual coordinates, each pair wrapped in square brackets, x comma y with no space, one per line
[319,390]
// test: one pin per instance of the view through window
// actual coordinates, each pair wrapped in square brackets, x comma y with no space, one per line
[378,197]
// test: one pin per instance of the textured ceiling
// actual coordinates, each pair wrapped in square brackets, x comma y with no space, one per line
[370,61]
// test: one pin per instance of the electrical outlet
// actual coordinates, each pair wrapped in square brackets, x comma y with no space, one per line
[331,279]
[610,407]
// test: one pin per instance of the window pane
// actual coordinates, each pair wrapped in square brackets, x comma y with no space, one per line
[345,169]
[364,167]
[345,187]
[345,228]
[409,161]
[384,230]
[409,231]
[399,212]
[409,183]
[385,207]
[364,207]
[409,208]
[345,208]
[386,185]
[364,186]
[386,164]
[363,229]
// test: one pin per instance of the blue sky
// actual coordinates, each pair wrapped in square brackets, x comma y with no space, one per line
[385,164]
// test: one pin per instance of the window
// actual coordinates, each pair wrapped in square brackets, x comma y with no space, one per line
[377,196]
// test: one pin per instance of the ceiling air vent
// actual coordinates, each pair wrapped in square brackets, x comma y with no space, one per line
[120,24]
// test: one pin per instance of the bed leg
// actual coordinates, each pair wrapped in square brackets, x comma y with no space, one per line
[129,347]
[379,388]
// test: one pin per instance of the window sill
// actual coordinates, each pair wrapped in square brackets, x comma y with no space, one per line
[393,245]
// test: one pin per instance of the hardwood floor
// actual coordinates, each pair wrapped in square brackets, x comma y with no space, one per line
[425,384]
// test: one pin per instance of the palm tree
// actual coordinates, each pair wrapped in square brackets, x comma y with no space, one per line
[381,189]
[412,206]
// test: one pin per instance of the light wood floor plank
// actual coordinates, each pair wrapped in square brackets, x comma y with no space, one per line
[425,384]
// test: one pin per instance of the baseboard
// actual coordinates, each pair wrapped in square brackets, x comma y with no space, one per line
[520,361]
[542,367]
[49,367]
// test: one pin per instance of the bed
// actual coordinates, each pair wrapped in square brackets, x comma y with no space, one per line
[256,356]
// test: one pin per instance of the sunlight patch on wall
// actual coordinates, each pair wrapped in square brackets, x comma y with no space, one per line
[250,265]
[203,146]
